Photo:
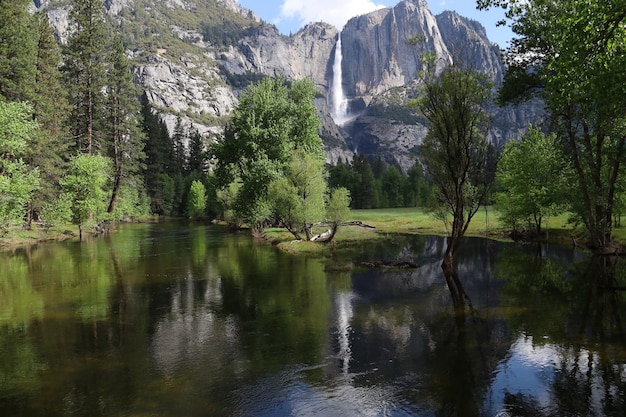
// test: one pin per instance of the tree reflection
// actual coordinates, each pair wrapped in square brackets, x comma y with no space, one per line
[577,323]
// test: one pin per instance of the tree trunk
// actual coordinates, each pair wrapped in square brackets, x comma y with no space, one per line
[116,188]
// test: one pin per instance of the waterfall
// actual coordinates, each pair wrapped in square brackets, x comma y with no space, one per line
[340,104]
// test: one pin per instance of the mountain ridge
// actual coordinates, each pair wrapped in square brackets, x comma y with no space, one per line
[193,57]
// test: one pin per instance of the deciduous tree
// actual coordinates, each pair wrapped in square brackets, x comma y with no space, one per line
[455,146]
[532,175]
[271,122]
[571,53]
[85,185]
[17,180]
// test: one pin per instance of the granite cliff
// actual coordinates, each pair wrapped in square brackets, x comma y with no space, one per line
[193,57]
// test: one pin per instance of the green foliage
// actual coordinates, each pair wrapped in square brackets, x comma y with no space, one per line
[532,176]
[338,206]
[391,187]
[57,212]
[571,53]
[85,185]
[127,140]
[132,202]
[196,200]
[363,191]
[84,58]
[17,179]
[225,32]
[271,123]
[48,150]
[298,196]
[18,51]
[454,149]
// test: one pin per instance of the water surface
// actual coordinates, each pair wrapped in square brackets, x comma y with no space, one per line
[177,320]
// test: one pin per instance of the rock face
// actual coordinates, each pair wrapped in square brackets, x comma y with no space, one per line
[200,78]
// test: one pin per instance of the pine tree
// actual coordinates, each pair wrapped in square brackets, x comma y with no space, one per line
[17,50]
[126,148]
[178,148]
[84,71]
[48,149]
[159,184]
[197,153]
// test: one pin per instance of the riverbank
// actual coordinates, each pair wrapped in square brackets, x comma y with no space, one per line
[38,233]
[485,224]
[557,230]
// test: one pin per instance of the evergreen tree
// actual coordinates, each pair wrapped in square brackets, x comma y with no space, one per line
[197,154]
[48,149]
[159,184]
[18,50]
[416,188]
[179,160]
[126,148]
[391,186]
[342,175]
[84,71]
[364,192]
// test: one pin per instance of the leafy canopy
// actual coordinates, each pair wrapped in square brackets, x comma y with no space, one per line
[271,123]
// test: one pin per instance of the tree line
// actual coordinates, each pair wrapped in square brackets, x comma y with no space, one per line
[77,142]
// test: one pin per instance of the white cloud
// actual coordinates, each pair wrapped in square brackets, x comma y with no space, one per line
[335,12]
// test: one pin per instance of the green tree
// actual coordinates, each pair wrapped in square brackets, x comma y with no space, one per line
[342,175]
[298,196]
[196,200]
[455,146]
[85,185]
[18,50]
[416,189]
[179,153]
[158,149]
[84,71]
[363,192]
[337,209]
[270,123]
[532,176]
[17,180]
[391,187]
[571,53]
[48,149]
[197,153]
[124,124]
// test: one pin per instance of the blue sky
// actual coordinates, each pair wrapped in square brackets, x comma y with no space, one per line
[290,15]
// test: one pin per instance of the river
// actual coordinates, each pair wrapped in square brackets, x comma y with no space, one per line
[172,319]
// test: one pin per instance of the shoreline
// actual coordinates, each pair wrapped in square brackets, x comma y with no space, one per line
[384,222]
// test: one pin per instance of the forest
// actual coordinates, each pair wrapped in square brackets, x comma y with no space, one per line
[81,143]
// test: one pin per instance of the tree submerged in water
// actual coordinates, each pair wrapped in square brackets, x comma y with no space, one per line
[454,151]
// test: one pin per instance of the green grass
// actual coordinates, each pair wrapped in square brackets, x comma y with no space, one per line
[418,221]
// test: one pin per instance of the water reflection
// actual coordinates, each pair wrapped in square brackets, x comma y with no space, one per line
[170,320]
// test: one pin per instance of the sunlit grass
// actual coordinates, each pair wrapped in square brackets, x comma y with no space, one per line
[485,223]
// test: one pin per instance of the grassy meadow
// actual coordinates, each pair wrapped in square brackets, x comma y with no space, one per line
[416,220]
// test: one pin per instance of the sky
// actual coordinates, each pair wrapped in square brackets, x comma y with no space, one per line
[291,15]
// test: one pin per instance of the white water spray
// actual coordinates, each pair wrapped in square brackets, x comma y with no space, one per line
[340,104]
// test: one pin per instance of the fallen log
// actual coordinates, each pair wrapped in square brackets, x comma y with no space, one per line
[358,223]
[390,264]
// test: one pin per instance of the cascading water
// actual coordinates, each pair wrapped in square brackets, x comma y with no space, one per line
[340,104]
